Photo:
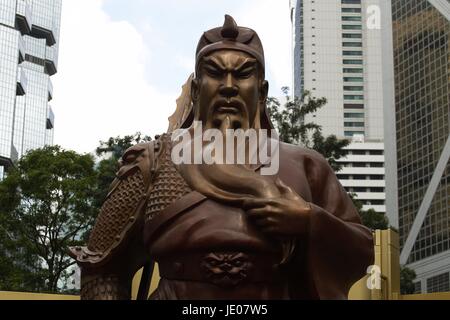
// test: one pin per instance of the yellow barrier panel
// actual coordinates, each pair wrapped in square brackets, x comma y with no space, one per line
[427,296]
[387,262]
[137,279]
[35,296]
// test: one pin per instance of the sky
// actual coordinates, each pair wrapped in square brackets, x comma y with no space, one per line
[122,63]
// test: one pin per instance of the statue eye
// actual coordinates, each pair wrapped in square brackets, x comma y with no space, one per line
[130,158]
[212,71]
[246,72]
[212,262]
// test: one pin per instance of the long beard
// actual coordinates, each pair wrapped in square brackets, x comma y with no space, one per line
[232,184]
[229,183]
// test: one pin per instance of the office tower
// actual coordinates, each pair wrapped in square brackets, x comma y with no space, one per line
[363,174]
[421,34]
[29,37]
[338,54]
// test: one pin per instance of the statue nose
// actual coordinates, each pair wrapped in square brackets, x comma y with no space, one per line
[226,267]
[229,89]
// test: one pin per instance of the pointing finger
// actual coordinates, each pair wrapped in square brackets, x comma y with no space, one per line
[257,203]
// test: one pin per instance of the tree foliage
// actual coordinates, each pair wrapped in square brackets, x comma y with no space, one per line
[289,119]
[374,220]
[118,145]
[45,207]
[407,277]
[49,202]
[370,218]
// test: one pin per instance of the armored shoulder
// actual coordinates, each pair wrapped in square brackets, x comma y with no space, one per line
[122,215]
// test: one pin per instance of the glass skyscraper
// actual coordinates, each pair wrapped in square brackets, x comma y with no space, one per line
[421,34]
[29,38]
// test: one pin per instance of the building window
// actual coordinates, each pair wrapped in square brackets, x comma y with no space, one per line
[359,165]
[352,27]
[353,97]
[351,1]
[351,10]
[354,124]
[352,53]
[353,79]
[352,35]
[356,18]
[352,44]
[438,283]
[354,115]
[353,106]
[353,133]
[377,165]
[418,287]
[353,61]
[353,70]
[353,88]
[35,60]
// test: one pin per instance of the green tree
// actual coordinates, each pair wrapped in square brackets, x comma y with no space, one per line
[374,220]
[407,277]
[111,151]
[115,147]
[24,276]
[289,120]
[45,207]
[370,218]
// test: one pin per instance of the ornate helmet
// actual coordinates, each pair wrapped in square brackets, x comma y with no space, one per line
[230,37]
[227,37]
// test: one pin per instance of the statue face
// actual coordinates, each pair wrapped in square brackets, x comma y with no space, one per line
[229,84]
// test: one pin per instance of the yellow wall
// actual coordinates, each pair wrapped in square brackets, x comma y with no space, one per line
[153,285]
[388,261]
[427,296]
[34,296]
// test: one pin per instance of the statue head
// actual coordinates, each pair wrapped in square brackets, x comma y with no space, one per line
[229,79]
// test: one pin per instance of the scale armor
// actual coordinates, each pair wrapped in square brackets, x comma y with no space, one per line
[168,186]
[147,182]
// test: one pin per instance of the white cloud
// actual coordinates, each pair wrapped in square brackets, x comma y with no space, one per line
[271,20]
[101,90]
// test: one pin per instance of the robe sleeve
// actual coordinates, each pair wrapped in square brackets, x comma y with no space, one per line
[338,249]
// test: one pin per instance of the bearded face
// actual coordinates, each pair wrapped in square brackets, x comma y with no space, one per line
[229,87]
[228,93]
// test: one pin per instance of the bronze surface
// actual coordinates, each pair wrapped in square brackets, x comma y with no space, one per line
[226,231]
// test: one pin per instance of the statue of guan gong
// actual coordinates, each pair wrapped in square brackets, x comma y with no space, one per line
[224,217]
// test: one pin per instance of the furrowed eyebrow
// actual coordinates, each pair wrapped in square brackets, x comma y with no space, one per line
[214,63]
[248,63]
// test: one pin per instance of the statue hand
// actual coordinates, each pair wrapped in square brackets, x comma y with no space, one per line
[286,216]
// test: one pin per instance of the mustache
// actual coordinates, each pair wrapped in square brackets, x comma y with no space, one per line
[229,103]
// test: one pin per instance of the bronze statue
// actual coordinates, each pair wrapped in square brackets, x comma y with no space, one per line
[224,231]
